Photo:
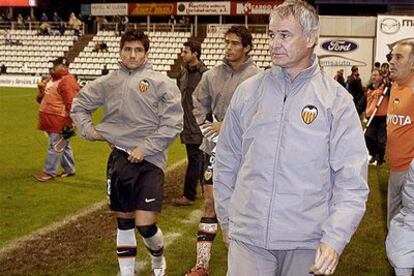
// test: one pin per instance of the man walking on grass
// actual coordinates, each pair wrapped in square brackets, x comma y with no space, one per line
[191,136]
[55,98]
[290,179]
[400,122]
[211,99]
[142,116]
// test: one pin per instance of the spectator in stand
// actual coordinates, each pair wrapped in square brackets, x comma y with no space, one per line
[172,22]
[24,69]
[10,16]
[62,27]
[44,28]
[187,23]
[339,77]
[7,37]
[3,69]
[104,47]
[104,71]
[30,19]
[354,87]
[20,21]
[89,21]
[400,122]
[100,47]
[75,23]
[56,17]
[44,17]
[55,98]
[123,25]
[376,133]
[97,47]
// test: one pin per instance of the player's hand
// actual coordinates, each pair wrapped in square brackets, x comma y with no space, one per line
[211,130]
[96,136]
[112,146]
[326,260]
[136,156]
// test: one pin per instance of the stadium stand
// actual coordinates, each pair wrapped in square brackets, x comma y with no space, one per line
[164,50]
[31,53]
[35,51]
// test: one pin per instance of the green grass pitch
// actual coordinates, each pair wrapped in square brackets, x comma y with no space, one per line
[27,205]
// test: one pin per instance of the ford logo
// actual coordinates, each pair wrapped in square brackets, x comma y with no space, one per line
[339,46]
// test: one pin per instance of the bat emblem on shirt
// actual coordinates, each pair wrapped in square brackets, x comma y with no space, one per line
[143,86]
[309,114]
[208,174]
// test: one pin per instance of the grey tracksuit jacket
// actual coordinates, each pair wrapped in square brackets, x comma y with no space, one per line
[400,239]
[142,108]
[291,162]
[213,94]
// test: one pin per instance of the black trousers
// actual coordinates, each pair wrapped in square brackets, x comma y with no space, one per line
[376,137]
[194,172]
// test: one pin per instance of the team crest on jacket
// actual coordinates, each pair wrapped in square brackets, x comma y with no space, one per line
[309,114]
[143,86]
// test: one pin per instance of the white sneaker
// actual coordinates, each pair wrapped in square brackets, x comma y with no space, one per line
[160,271]
[375,163]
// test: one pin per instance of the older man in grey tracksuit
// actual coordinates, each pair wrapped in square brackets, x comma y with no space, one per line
[142,116]
[291,167]
[400,239]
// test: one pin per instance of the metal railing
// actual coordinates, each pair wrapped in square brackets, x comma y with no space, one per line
[35,25]
[154,27]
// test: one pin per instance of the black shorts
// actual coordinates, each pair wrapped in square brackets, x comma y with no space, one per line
[133,186]
[208,169]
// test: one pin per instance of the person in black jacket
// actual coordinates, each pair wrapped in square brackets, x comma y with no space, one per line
[191,136]
[339,77]
[354,87]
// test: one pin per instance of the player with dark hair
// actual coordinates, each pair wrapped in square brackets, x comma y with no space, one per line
[191,136]
[142,117]
[211,99]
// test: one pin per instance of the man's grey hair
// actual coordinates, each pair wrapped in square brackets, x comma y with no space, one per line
[302,11]
[409,42]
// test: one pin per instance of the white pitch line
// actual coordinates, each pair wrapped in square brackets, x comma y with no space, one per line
[16,243]
[194,217]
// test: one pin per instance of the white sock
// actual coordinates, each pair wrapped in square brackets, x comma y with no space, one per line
[126,250]
[155,245]
[207,230]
